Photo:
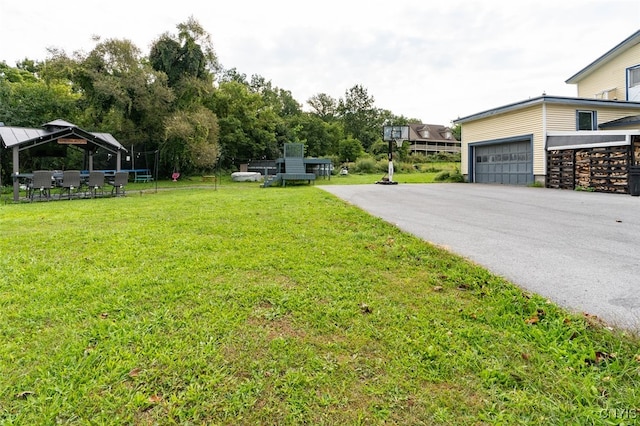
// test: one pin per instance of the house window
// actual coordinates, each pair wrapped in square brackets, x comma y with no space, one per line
[586,120]
[633,84]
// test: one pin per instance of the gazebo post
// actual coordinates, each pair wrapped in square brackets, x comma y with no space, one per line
[118,160]
[16,172]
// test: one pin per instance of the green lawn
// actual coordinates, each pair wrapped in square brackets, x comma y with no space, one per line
[245,305]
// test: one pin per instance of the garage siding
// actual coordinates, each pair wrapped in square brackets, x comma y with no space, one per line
[563,117]
[522,122]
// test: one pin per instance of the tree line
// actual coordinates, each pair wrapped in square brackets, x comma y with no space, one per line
[180,102]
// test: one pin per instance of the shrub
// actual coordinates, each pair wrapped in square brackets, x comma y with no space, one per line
[444,157]
[431,169]
[365,165]
[403,167]
[382,165]
[442,176]
[456,176]
[335,162]
[447,176]
[417,158]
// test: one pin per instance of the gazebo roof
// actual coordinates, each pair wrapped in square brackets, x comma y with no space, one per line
[26,138]
[59,123]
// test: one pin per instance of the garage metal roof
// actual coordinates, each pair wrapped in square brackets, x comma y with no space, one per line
[632,120]
[556,142]
[588,139]
[578,102]
[28,137]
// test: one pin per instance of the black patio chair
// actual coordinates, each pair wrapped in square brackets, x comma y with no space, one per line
[118,183]
[42,182]
[70,182]
[96,183]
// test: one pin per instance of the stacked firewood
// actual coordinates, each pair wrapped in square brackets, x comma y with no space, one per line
[560,170]
[583,168]
[603,169]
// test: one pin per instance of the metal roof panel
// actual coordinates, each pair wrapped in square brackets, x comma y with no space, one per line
[59,123]
[12,136]
[108,137]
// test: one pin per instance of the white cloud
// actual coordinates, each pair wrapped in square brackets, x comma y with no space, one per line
[434,62]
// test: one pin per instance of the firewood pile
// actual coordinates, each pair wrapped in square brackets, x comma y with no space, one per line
[560,169]
[602,169]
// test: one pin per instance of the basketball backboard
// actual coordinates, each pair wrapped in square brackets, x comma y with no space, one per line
[395,133]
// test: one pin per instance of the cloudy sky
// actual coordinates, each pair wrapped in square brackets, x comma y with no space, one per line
[425,59]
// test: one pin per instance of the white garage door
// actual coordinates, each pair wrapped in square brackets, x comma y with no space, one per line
[506,163]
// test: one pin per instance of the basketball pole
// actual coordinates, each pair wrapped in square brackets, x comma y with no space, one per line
[390,171]
[389,177]
[391,134]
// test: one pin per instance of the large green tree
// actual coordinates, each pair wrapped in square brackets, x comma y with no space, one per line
[361,119]
[232,74]
[324,106]
[284,107]
[350,149]
[189,61]
[280,100]
[27,100]
[122,94]
[191,140]
[320,138]
[247,124]
[187,54]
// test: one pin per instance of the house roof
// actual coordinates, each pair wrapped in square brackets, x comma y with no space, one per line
[617,50]
[28,137]
[433,132]
[578,102]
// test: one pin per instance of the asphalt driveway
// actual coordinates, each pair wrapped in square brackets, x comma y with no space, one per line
[579,249]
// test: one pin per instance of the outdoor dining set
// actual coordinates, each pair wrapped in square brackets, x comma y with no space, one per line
[72,184]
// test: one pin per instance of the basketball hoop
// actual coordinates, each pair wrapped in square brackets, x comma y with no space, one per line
[391,134]
[395,133]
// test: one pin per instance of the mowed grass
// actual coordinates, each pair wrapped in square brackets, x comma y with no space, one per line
[244,305]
